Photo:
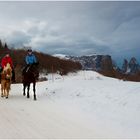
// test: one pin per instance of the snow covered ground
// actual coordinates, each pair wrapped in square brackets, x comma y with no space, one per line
[80,105]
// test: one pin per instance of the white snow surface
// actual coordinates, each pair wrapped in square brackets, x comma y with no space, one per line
[61,56]
[79,105]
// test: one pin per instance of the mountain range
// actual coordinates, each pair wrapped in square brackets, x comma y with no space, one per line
[130,70]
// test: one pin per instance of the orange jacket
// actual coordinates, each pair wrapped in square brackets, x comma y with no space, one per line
[6,60]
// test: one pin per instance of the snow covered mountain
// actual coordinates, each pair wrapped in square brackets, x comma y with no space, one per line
[79,105]
[97,62]
[61,56]
[106,66]
[92,62]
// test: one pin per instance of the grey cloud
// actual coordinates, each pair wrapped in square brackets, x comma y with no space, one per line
[74,27]
[18,38]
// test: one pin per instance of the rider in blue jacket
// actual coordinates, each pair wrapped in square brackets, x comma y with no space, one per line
[30,60]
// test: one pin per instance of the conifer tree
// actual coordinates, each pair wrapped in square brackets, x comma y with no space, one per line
[6,46]
[0,44]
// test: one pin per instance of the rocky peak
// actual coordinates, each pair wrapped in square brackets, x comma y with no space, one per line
[133,61]
[125,66]
[133,65]
[100,63]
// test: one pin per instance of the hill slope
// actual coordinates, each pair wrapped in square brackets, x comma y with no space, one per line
[47,63]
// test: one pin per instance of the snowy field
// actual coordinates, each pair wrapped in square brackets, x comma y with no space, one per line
[80,105]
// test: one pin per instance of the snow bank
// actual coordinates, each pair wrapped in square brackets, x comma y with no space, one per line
[80,105]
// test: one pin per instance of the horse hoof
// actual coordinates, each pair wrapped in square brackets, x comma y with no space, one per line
[6,97]
[2,96]
[28,96]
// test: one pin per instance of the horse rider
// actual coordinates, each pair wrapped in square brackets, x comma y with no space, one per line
[5,60]
[30,60]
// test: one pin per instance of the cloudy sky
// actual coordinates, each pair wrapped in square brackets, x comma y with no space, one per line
[75,28]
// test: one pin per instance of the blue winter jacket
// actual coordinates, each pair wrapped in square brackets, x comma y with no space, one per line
[30,59]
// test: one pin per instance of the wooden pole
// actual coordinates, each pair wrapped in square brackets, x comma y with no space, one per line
[52,74]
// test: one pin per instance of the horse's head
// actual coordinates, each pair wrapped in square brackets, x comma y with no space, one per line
[7,72]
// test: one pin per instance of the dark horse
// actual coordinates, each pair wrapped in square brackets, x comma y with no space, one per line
[30,75]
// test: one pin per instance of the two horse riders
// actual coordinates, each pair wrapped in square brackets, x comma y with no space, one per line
[5,60]
[30,60]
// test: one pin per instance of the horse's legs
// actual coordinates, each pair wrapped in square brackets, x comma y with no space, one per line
[4,92]
[28,88]
[2,95]
[2,88]
[24,87]
[7,89]
[7,93]
[34,84]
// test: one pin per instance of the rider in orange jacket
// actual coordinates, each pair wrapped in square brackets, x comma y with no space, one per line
[5,60]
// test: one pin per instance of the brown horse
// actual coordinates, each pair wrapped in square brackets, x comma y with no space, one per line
[30,75]
[6,77]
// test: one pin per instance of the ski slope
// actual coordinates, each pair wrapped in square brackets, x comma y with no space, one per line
[79,105]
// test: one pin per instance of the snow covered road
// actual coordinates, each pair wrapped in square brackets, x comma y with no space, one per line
[82,105]
[25,118]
